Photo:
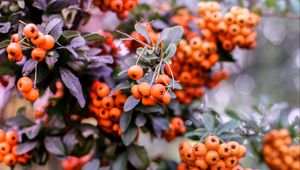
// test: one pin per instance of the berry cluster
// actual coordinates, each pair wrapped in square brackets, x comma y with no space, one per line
[107,46]
[121,7]
[75,163]
[279,151]
[27,89]
[211,155]
[108,109]
[177,128]
[150,94]
[235,27]
[8,149]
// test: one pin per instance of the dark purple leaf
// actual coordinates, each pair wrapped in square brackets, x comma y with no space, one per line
[4,27]
[159,124]
[140,120]
[54,145]
[138,157]
[73,84]
[125,120]
[28,67]
[51,25]
[92,165]
[26,147]
[129,135]
[77,42]
[130,103]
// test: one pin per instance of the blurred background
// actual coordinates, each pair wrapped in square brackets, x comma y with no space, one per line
[270,73]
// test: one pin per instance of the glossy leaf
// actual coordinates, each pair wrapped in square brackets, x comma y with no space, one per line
[26,147]
[130,103]
[138,157]
[54,145]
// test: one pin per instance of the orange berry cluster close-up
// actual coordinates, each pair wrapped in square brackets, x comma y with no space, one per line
[8,149]
[75,163]
[212,154]
[27,89]
[177,128]
[149,94]
[121,7]
[279,151]
[42,42]
[108,109]
[234,28]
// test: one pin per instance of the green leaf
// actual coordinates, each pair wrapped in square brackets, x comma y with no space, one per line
[26,147]
[73,84]
[19,121]
[208,122]
[138,157]
[4,44]
[125,120]
[21,111]
[129,135]
[232,124]
[174,36]
[230,136]
[54,145]
[130,103]
[232,114]
[121,162]
[140,120]
[70,34]
[77,42]
[51,24]
[92,165]
[94,37]
[141,29]
[150,109]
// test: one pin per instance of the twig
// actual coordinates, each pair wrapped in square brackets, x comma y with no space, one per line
[35,74]
[171,73]
[22,22]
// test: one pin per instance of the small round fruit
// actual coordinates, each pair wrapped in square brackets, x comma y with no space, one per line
[31,30]
[39,39]
[224,150]
[212,157]
[117,5]
[166,99]
[107,102]
[32,95]
[135,72]
[38,54]
[12,137]
[145,89]
[135,92]
[9,159]
[199,149]
[15,38]
[14,49]
[163,79]
[149,101]
[158,91]
[102,90]
[49,43]
[24,84]
[4,148]
[130,5]
[212,143]
[115,114]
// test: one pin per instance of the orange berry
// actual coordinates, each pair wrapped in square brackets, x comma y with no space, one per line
[102,90]
[185,77]
[103,114]
[195,43]
[15,38]
[24,84]
[120,101]
[117,5]
[163,79]
[31,30]
[201,163]
[199,149]
[149,101]
[229,18]
[239,40]
[158,91]
[234,147]
[212,142]
[227,45]
[230,162]
[116,127]
[106,123]
[4,148]
[14,49]
[183,146]
[9,160]
[32,95]
[212,157]
[49,43]
[241,20]
[145,89]
[107,102]
[39,39]
[216,17]
[189,156]
[224,150]
[12,137]
[239,168]
[130,5]
[2,136]
[135,92]
[21,160]
[38,54]
[234,29]
[242,151]
[220,165]
[135,72]
[115,114]
[166,99]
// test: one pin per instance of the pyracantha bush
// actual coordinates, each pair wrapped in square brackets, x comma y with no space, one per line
[100,100]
